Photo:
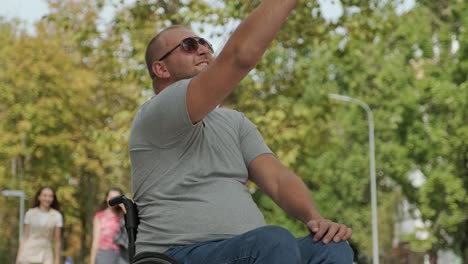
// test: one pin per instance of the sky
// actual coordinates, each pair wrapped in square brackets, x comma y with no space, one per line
[30,11]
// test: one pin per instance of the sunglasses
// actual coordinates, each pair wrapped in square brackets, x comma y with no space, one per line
[190,45]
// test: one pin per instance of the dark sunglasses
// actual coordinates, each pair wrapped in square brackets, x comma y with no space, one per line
[190,45]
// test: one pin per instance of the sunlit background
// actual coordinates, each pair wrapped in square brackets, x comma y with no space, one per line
[72,76]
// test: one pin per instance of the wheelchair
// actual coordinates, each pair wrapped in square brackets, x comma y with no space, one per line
[131,224]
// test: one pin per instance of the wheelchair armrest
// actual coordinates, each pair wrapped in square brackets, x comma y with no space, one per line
[117,200]
[131,220]
[131,214]
[131,224]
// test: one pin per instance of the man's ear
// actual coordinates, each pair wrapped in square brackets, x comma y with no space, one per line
[160,70]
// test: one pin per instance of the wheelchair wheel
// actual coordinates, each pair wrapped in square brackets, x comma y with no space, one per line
[153,258]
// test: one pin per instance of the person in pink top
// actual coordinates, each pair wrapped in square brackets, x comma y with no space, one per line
[106,225]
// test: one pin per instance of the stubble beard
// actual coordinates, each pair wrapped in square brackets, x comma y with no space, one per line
[182,75]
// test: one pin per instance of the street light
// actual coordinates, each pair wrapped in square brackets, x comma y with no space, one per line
[22,197]
[370,118]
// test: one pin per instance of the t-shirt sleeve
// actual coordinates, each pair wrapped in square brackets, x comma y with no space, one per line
[27,217]
[59,220]
[165,119]
[252,143]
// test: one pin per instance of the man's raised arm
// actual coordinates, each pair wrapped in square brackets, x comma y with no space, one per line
[241,53]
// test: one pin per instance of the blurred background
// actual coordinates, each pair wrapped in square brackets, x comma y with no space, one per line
[72,76]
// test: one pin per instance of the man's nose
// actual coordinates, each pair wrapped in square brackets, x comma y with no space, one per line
[202,49]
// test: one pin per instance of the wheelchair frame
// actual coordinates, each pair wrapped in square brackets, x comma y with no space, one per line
[131,224]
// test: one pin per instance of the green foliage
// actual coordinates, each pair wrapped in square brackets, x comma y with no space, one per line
[418,97]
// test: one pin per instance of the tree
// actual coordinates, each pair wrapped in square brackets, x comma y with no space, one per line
[69,94]
[64,118]
[375,54]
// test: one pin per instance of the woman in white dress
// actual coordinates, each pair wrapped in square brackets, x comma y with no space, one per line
[42,225]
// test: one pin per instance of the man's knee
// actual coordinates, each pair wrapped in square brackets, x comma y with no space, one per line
[273,234]
[340,252]
[273,237]
[274,244]
[318,252]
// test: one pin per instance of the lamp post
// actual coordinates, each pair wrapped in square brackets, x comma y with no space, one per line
[370,119]
[22,197]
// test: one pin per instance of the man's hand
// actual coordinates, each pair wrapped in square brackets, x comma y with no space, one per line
[331,230]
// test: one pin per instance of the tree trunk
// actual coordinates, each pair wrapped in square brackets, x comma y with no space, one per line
[433,256]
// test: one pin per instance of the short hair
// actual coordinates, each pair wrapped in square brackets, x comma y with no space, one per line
[153,46]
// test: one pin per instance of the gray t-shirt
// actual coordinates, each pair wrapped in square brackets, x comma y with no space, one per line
[189,180]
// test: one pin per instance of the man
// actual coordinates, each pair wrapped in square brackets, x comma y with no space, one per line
[191,160]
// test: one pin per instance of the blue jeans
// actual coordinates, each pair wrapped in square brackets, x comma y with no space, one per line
[264,245]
